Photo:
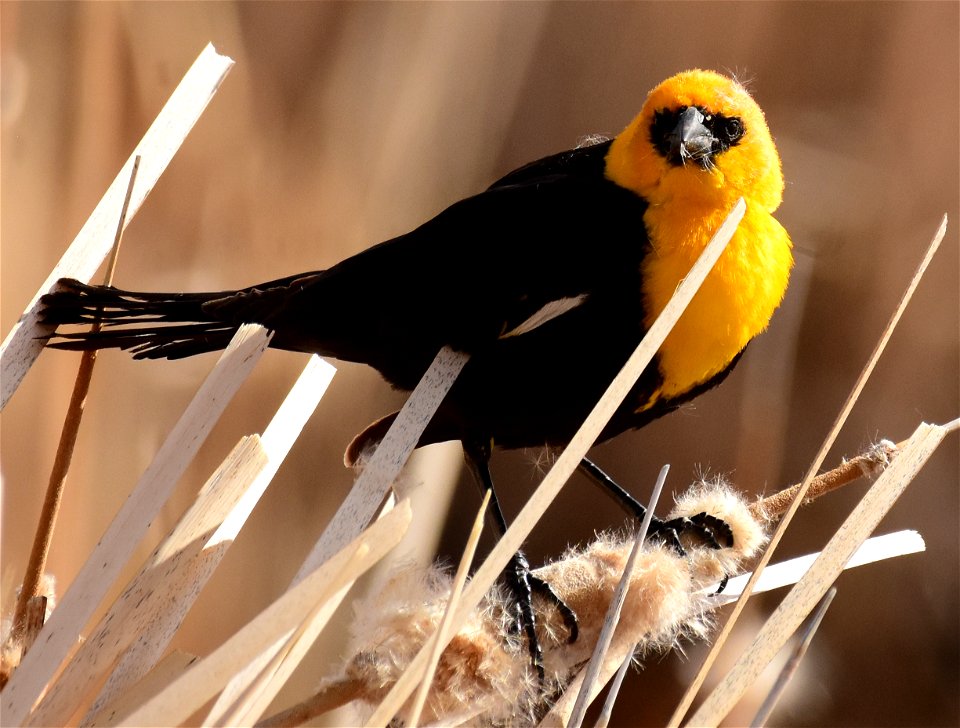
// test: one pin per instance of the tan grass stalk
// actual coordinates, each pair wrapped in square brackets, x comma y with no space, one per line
[92,244]
[603,720]
[143,619]
[210,527]
[373,484]
[239,687]
[371,487]
[257,694]
[845,410]
[334,695]
[140,624]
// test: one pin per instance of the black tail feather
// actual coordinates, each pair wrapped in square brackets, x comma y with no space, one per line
[155,342]
[130,319]
[77,303]
[164,325]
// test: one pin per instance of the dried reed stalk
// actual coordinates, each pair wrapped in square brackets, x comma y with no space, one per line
[185,695]
[37,561]
[131,637]
[793,662]
[36,671]
[92,244]
[161,675]
[801,492]
[271,645]
[142,620]
[81,260]
[442,635]
[361,504]
[810,589]
[612,618]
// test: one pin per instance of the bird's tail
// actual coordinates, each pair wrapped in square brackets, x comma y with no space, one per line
[150,325]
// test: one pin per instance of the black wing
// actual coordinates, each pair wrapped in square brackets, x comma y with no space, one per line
[554,229]
[587,160]
[472,274]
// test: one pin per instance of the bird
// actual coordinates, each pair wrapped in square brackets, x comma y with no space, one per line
[548,279]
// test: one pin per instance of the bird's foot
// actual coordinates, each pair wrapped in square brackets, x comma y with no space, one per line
[712,531]
[521,584]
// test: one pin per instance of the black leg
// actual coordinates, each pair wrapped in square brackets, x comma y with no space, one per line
[519,580]
[711,529]
[614,490]
[517,573]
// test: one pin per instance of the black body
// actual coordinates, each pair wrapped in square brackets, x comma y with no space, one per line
[553,229]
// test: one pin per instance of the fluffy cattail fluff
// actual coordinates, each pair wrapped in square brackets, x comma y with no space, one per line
[485,672]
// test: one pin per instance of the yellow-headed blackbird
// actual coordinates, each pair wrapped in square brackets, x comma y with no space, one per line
[607,229]
[548,279]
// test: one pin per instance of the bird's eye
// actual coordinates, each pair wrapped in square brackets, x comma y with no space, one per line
[708,117]
[733,130]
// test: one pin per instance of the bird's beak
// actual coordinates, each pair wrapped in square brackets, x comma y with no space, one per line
[690,139]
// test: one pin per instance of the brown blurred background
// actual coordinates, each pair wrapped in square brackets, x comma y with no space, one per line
[344,124]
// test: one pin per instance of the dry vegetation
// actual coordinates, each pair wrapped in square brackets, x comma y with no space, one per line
[199,541]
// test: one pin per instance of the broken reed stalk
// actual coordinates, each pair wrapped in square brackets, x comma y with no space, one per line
[247,707]
[81,260]
[365,497]
[37,562]
[687,700]
[603,720]
[191,690]
[371,487]
[123,649]
[83,257]
[160,675]
[131,522]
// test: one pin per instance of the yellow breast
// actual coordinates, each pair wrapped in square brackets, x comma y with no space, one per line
[736,301]
[686,203]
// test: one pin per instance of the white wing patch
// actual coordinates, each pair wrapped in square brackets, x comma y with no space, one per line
[547,313]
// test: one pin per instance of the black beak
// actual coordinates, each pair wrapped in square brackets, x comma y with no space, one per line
[690,139]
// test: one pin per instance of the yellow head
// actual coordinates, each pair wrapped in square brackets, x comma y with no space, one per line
[699,134]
